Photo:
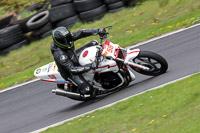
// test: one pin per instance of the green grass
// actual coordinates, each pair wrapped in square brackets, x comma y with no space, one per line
[26,14]
[3,13]
[174,108]
[17,5]
[130,26]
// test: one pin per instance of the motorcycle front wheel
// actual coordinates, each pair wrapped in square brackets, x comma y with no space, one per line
[157,64]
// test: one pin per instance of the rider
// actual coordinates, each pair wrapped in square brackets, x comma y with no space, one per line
[66,59]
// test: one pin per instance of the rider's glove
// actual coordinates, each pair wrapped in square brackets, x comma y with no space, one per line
[102,31]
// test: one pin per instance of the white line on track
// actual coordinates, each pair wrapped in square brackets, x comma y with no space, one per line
[165,35]
[142,43]
[62,122]
[19,85]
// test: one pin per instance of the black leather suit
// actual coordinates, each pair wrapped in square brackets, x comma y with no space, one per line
[67,61]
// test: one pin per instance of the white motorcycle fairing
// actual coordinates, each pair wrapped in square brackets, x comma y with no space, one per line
[49,72]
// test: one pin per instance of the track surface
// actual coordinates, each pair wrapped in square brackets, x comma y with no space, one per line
[33,106]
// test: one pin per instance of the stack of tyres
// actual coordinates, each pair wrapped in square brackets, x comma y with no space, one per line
[114,5]
[11,38]
[38,7]
[90,10]
[63,13]
[22,24]
[5,22]
[131,3]
[40,25]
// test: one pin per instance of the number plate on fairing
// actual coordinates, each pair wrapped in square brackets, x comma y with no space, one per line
[109,49]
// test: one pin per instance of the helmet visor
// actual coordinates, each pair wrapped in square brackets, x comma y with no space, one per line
[69,41]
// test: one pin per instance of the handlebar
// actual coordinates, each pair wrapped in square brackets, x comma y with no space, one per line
[109,27]
[104,35]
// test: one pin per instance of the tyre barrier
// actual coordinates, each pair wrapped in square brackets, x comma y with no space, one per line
[36,7]
[33,7]
[40,24]
[63,15]
[61,12]
[114,5]
[38,20]
[6,21]
[68,22]
[42,30]
[10,36]
[23,23]
[86,5]
[93,14]
[48,33]
[55,3]
[5,51]
[107,2]
[90,10]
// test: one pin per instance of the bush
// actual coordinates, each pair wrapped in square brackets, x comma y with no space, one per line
[17,5]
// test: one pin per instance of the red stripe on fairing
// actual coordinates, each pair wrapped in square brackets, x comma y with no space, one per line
[54,81]
[107,66]
[133,52]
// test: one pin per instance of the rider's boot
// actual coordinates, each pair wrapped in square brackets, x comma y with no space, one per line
[87,91]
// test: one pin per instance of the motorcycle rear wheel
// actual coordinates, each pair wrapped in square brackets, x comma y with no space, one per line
[157,64]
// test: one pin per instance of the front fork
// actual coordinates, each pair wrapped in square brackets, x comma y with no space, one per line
[136,65]
[130,55]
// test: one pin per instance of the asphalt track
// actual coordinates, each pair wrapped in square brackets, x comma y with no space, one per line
[33,106]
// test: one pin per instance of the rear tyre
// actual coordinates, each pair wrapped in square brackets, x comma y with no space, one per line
[157,64]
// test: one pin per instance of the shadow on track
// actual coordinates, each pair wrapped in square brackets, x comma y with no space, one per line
[99,98]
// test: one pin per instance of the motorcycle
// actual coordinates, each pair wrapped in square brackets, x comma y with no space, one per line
[113,68]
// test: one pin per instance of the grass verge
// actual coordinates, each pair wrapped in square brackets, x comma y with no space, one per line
[3,13]
[130,26]
[171,109]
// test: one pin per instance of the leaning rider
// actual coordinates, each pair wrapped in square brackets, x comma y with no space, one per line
[65,56]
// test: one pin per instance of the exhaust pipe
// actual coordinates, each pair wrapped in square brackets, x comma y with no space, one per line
[64,93]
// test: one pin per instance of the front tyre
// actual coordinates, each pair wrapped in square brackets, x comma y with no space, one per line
[156,63]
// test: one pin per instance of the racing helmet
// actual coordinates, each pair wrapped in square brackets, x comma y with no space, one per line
[62,38]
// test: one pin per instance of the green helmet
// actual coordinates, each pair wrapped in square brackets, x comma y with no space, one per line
[62,38]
